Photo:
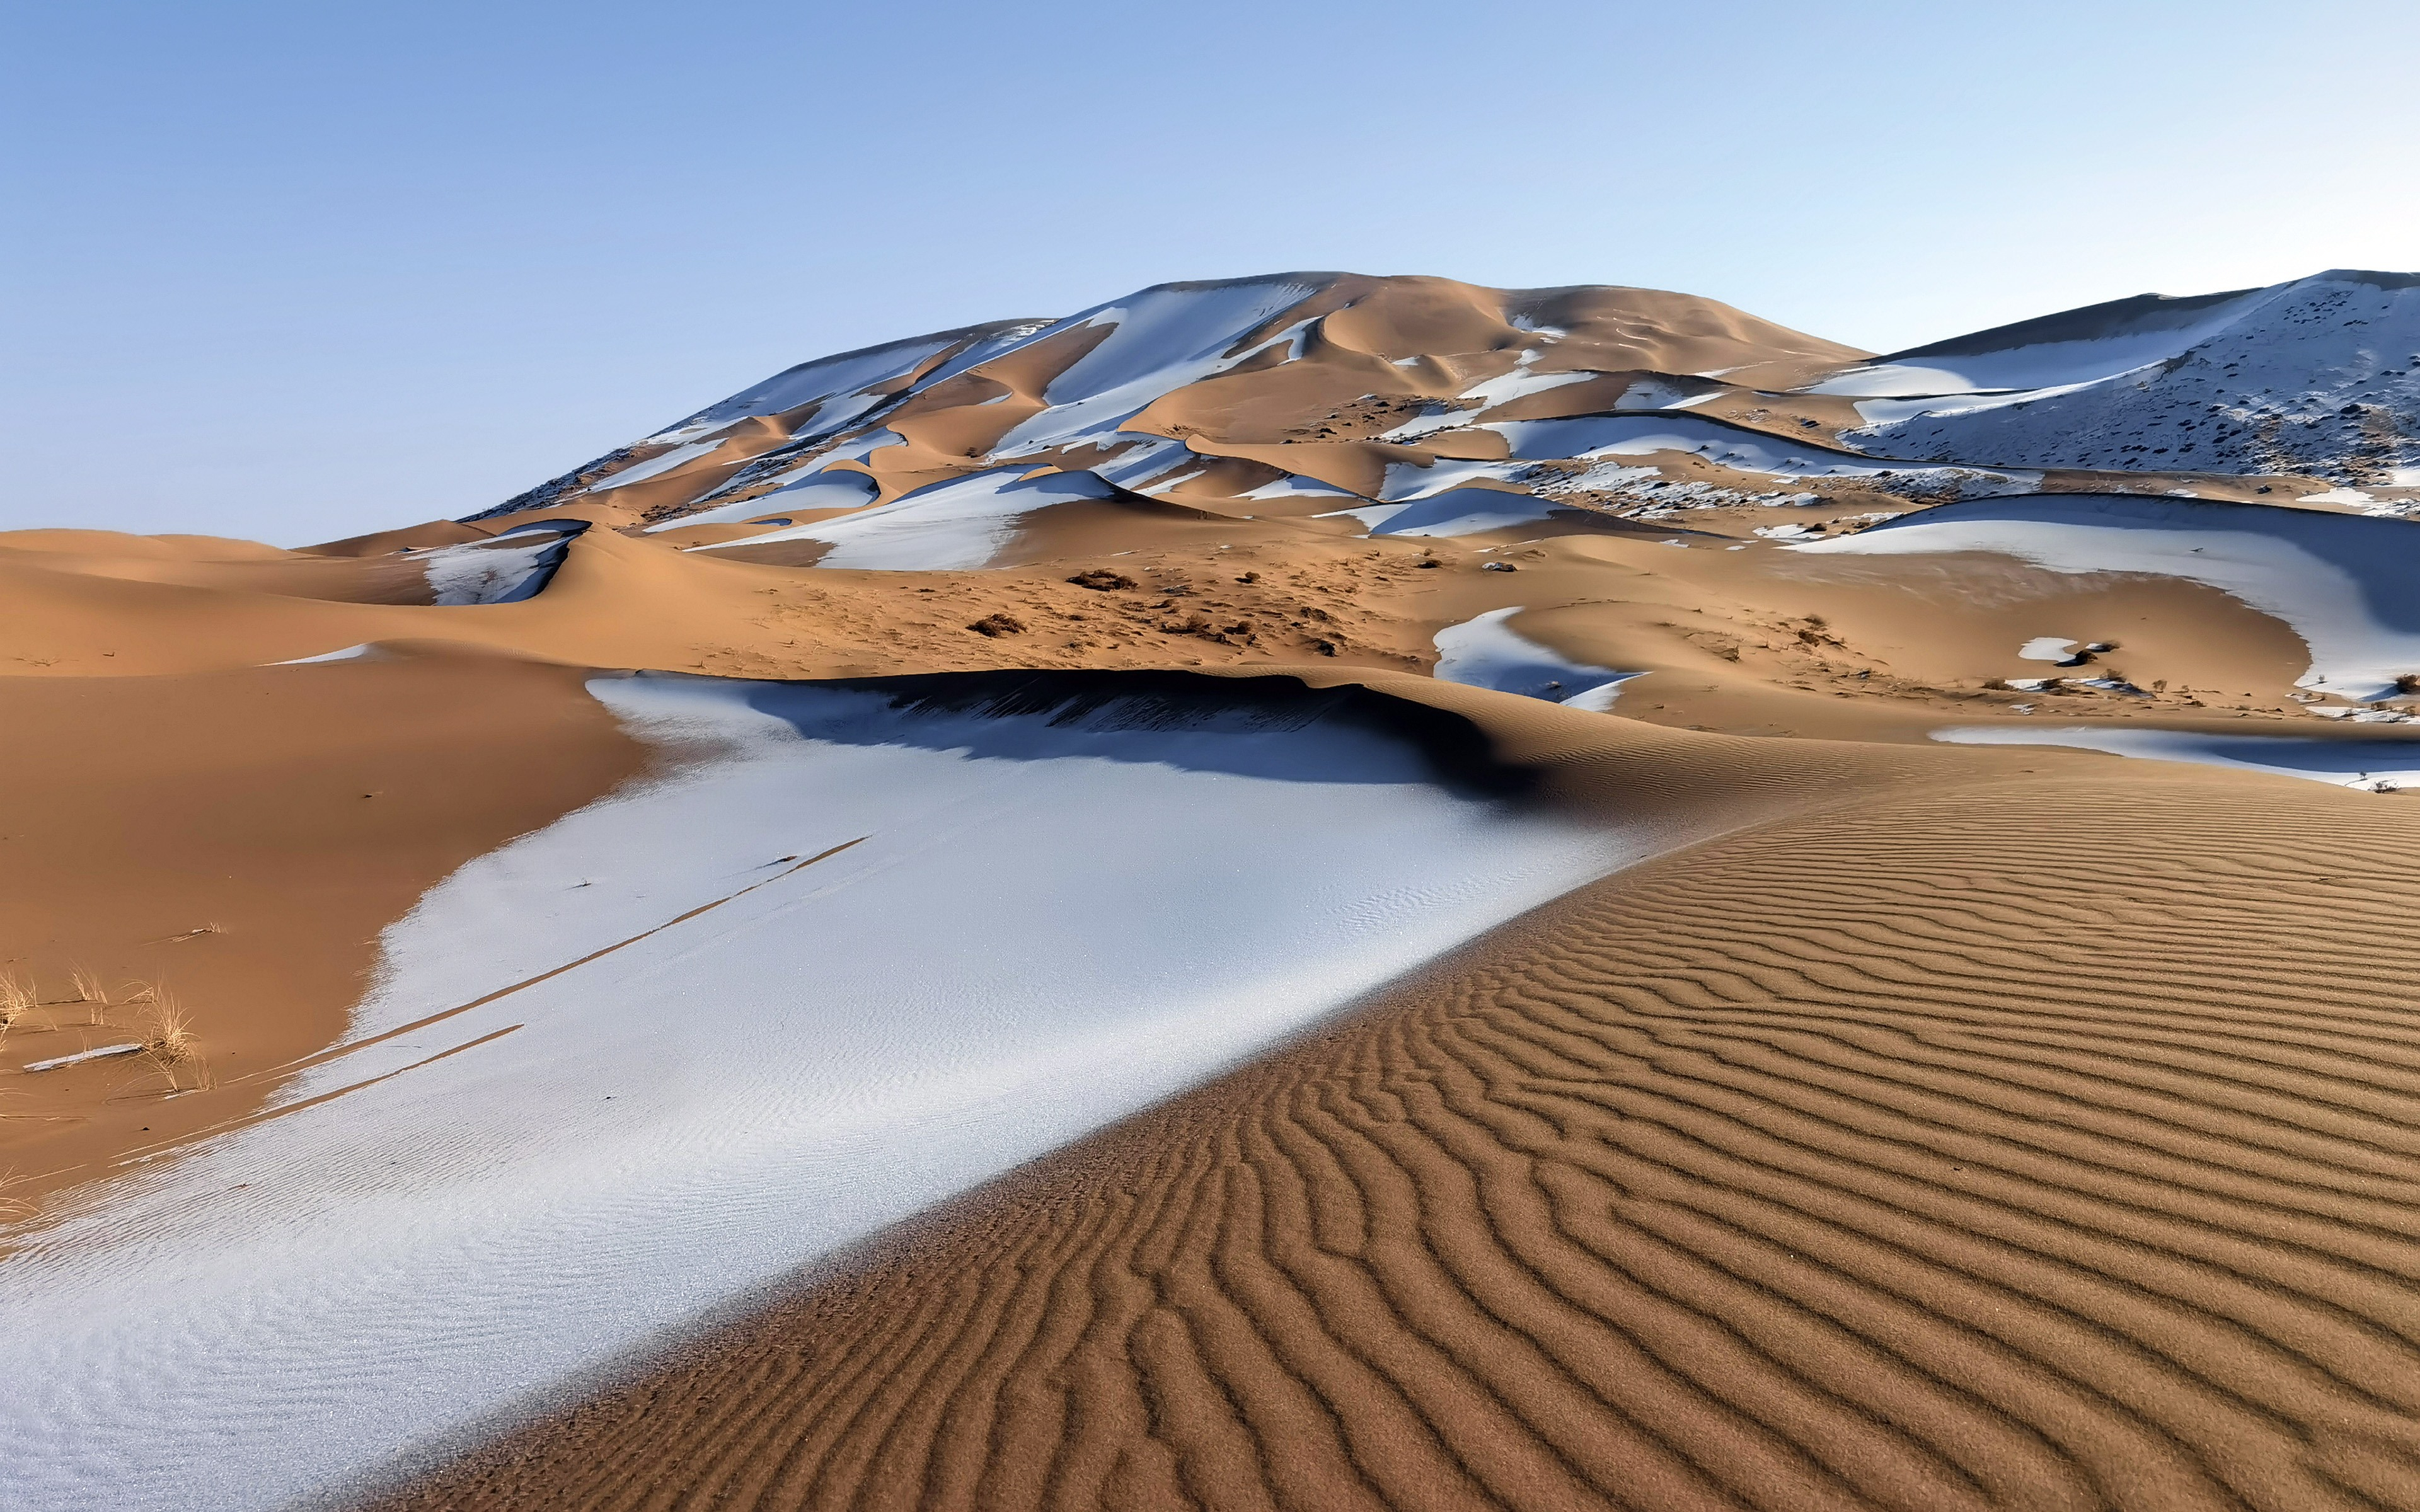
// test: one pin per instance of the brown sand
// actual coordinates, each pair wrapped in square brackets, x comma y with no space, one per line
[2039,1141]
[1958,1128]
[241,838]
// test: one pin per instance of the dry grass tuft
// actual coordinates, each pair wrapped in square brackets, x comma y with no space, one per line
[13,1209]
[89,992]
[16,1001]
[168,1040]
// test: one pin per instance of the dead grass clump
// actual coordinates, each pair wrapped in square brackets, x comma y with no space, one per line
[1102,580]
[91,994]
[16,1001]
[997,626]
[168,1041]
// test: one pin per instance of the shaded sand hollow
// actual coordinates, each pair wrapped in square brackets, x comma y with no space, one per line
[2042,1140]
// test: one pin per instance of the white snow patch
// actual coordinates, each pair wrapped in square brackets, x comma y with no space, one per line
[2049,648]
[1488,653]
[1458,512]
[1492,393]
[837,382]
[705,1101]
[821,490]
[944,527]
[655,467]
[2373,766]
[1593,435]
[503,569]
[2040,364]
[347,654]
[1294,485]
[1163,339]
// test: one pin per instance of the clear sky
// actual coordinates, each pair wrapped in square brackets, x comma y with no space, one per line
[297,270]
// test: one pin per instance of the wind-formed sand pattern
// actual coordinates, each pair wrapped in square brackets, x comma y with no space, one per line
[1312,891]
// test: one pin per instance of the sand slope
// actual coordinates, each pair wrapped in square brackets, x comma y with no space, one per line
[1999,1091]
[2041,1143]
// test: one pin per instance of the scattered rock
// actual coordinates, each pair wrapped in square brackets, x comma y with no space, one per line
[1497,566]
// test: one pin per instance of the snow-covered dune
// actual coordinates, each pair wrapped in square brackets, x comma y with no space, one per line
[512,567]
[2349,586]
[857,948]
[2320,375]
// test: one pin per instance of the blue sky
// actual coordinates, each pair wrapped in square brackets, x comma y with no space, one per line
[293,271]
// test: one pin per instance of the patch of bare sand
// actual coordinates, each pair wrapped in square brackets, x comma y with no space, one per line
[241,838]
[2036,1139]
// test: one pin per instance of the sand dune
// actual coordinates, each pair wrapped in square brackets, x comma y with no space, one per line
[2316,374]
[2034,1142]
[1305,891]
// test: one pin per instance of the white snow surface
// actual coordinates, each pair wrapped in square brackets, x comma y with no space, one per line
[1163,338]
[2151,338]
[695,1103]
[1294,485]
[2048,648]
[1456,512]
[1492,393]
[2373,766]
[942,527]
[1487,652]
[1744,451]
[2291,377]
[838,381]
[655,467]
[342,653]
[503,569]
[821,490]
[2348,585]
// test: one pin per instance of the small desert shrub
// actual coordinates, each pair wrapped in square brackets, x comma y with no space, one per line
[997,626]
[2408,683]
[168,1040]
[1100,580]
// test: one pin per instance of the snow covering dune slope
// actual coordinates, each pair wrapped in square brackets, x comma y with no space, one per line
[2349,586]
[1488,653]
[947,527]
[512,567]
[846,956]
[2373,766]
[2318,375]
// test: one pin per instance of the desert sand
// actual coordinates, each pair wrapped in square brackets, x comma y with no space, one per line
[1312,891]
